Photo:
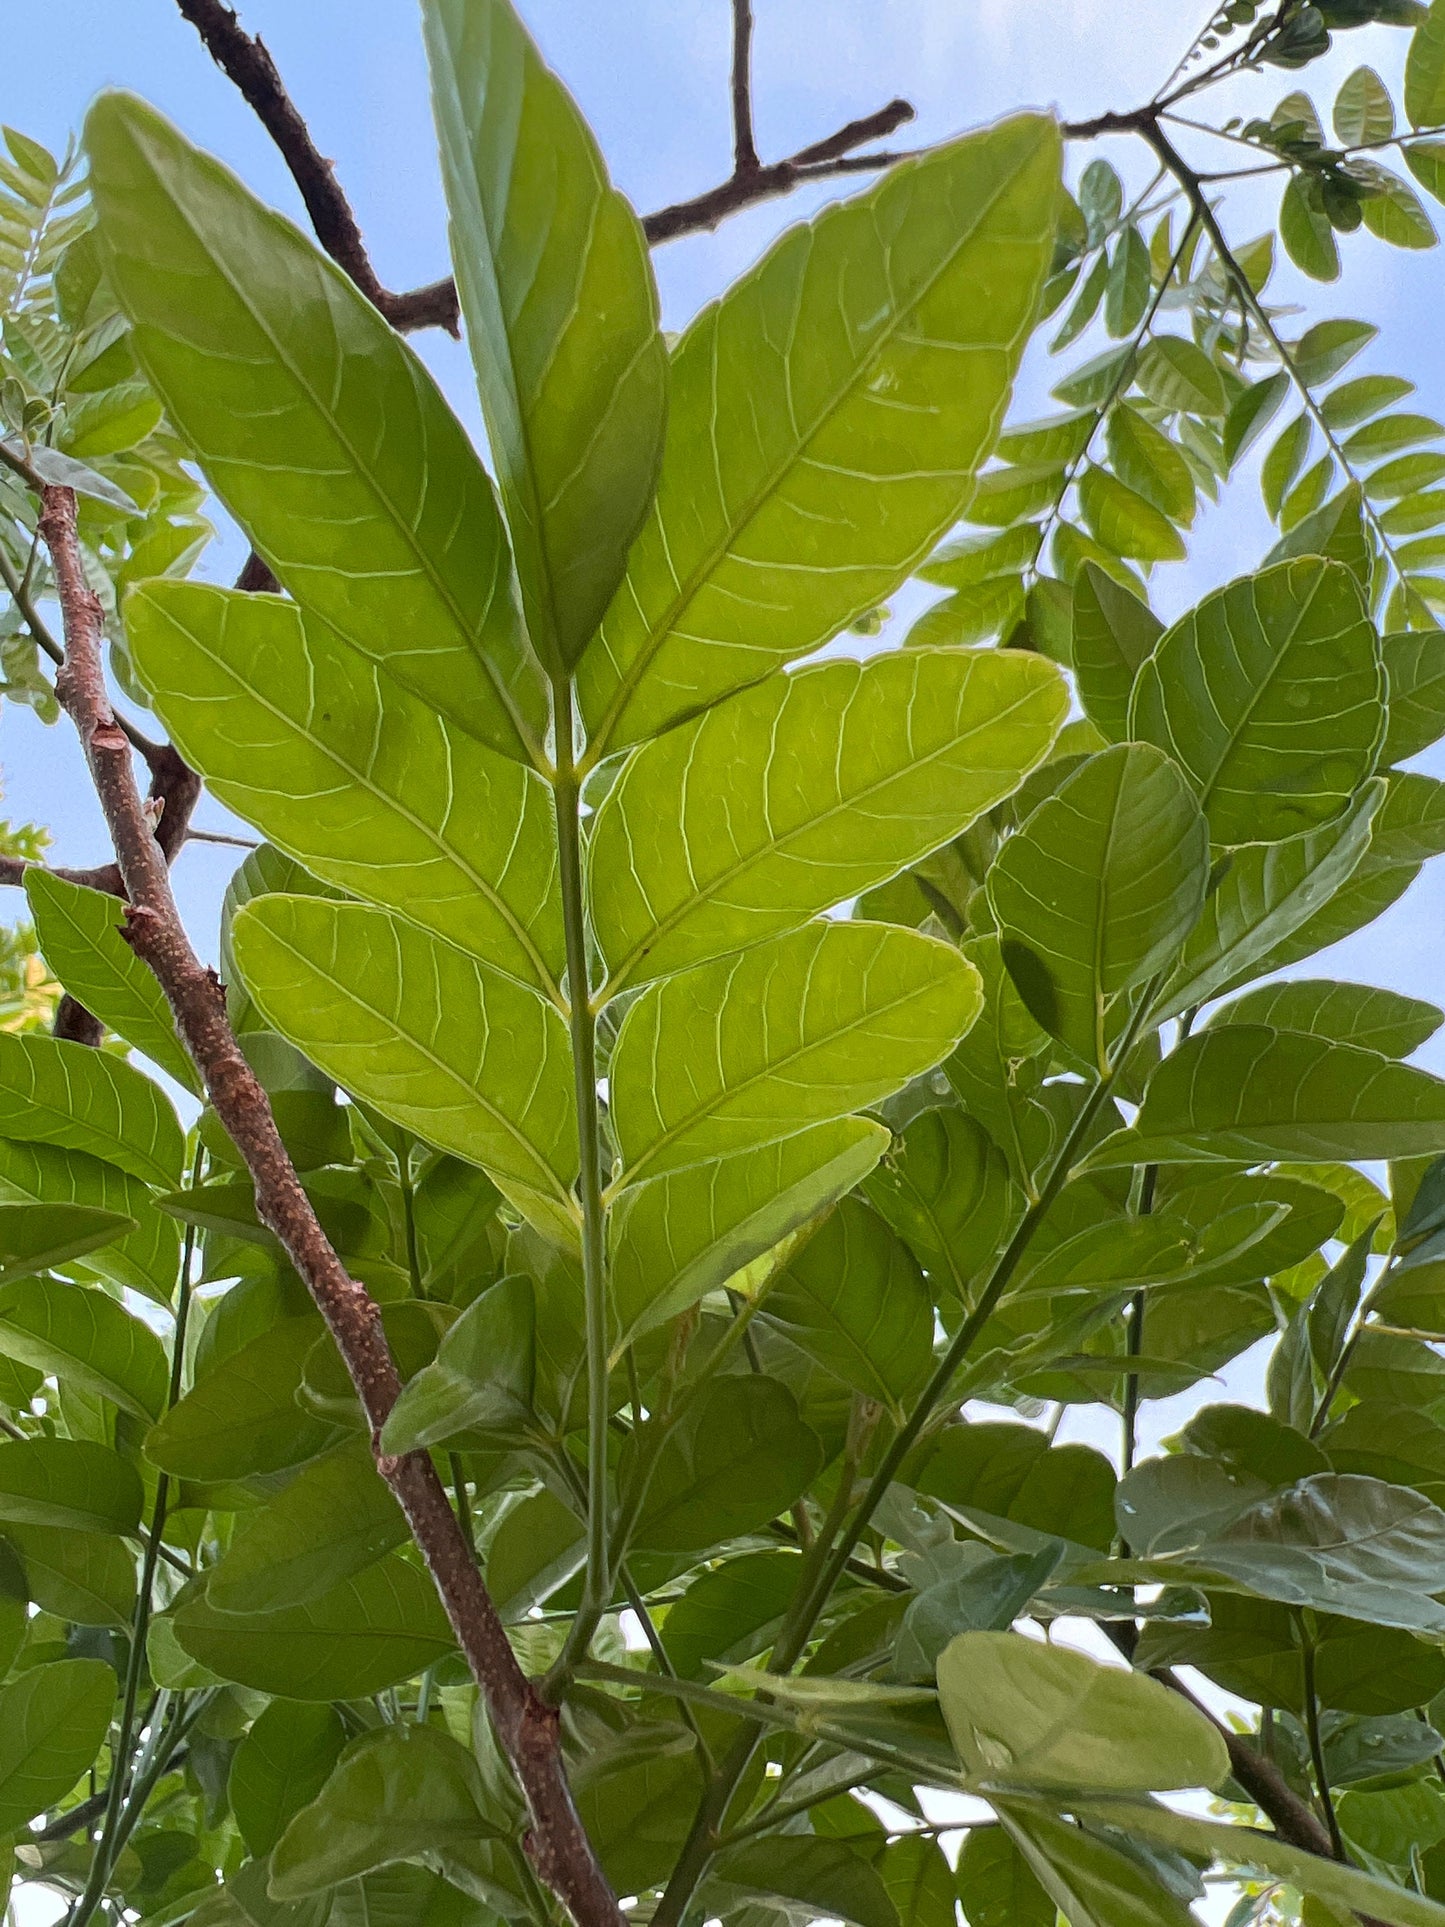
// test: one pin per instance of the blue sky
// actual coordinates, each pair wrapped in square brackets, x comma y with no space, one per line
[652,77]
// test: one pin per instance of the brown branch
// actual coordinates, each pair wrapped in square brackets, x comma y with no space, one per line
[528,1730]
[245,60]
[745,146]
[708,210]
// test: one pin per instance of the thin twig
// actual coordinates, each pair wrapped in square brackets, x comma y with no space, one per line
[528,1730]
[245,60]
[745,147]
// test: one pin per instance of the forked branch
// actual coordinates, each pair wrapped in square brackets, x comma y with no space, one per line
[245,59]
[528,1730]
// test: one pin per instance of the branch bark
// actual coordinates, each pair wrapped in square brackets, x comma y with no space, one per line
[528,1730]
[246,61]
[745,147]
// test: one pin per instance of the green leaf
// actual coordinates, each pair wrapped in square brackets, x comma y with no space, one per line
[396,1794]
[1098,890]
[1377,1020]
[1415,670]
[1282,465]
[1042,1715]
[1305,229]
[144,1260]
[65,471]
[826,422]
[1011,1472]
[1426,161]
[374,1629]
[923,742]
[737,1456]
[822,1876]
[1394,212]
[556,287]
[985,1594]
[53,1092]
[1355,401]
[315,424]
[1245,1093]
[342,768]
[481,1378]
[970,616]
[538,1547]
[1425,71]
[1323,350]
[1269,696]
[1096,1883]
[241,1419]
[469,1060]
[1180,377]
[87,1577]
[280,1767]
[1269,892]
[854,1299]
[35,1237]
[81,1336]
[808,1027]
[1124,522]
[1234,1846]
[968,561]
[53,1720]
[334,1519]
[1335,531]
[997,1886]
[1145,458]
[70,1483]
[80,932]
[1364,114]
[729,1611]
[1130,282]
[675,1239]
[1114,632]
[1251,413]
[945,1189]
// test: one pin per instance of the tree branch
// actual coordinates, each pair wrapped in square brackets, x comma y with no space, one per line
[528,1730]
[745,147]
[819,162]
[245,60]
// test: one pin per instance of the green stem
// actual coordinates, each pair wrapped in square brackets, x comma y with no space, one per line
[1136,1332]
[1317,1747]
[664,1664]
[1251,303]
[34,621]
[597,1586]
[107,1848]
[814,1593]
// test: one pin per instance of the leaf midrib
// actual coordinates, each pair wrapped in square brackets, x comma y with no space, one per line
[755,859]
[391,512]
[665,624]
[554,1187]
[772,1069]
[546,981]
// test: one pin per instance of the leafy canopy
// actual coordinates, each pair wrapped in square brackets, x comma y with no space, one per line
[730,1077]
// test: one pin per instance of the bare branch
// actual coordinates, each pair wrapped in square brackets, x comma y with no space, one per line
[745,147]
[528,1730]
[245,59]
[822,161]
